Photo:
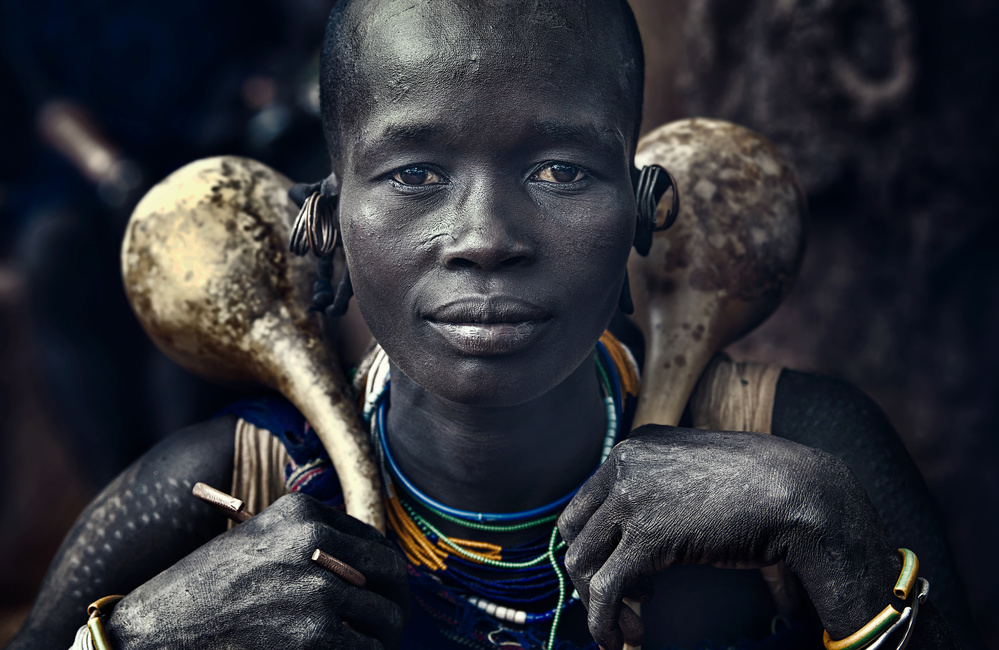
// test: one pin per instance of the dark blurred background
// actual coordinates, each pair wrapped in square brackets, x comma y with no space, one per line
[887,107]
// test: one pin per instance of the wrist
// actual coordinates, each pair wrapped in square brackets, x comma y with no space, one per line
[890,623]
[117,628]
[111,628]
[857,589]
[844,555]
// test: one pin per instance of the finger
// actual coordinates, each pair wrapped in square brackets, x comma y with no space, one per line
[340,568]
[316,510]
[353,639]
[606,589]
[641,589]
[375,616]
[590,550]
[383,569]
[382,565]
[347,539]
[632,628]
[352,542]
[589,497]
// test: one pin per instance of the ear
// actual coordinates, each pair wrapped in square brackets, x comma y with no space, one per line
[299,192]
[329,188]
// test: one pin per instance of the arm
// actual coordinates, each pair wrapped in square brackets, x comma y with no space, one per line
[140,524]
[835,417]
[188,584]
[669,496]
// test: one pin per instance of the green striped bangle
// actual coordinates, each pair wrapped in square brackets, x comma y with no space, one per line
[907,578]
[883,622]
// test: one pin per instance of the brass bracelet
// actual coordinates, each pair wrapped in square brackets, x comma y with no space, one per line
[885,622]
[96,611]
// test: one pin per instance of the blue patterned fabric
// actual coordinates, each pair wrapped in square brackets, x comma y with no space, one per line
[311,471]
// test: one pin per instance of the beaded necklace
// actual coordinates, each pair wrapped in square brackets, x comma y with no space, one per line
[524,574]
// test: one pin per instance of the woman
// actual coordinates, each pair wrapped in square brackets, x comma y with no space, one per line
[483,190]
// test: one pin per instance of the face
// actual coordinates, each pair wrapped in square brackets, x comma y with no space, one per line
[486,203]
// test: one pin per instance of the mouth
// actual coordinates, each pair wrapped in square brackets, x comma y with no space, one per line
[488,326]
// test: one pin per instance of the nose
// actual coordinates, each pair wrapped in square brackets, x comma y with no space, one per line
[488,232]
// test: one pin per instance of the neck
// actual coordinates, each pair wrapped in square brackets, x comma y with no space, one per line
[498,459]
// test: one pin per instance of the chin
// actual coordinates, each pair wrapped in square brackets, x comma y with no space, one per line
[489,381]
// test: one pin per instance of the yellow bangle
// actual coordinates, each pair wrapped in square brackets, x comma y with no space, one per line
[96,610]
[865,635]
[882,623]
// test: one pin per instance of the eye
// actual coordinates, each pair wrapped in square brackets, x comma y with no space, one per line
[416,175]
[558,173]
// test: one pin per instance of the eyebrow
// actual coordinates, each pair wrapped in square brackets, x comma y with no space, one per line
[409,132]
[399,133]
[587,132]
[560,130]
[607,140]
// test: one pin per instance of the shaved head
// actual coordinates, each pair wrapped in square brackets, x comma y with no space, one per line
[371,42]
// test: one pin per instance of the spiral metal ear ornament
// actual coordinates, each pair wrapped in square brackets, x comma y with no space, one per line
[653,183]
[315,228]
[315,231]
[299,241]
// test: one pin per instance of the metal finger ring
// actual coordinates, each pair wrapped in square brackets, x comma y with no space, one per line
[339,567]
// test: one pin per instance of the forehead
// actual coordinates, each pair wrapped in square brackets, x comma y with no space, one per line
[472,59]
[402,28]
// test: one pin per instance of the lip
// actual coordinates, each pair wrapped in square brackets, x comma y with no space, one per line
[489,325]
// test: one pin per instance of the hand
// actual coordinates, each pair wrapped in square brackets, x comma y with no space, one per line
[257,587]
[670,496]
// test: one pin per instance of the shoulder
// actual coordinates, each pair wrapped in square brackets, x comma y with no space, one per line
[839,418]
[165,475]
[830,414]
[150,504]
[204,447]
[803,396]
[140,524]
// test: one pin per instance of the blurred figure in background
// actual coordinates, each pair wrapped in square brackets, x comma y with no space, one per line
[121,93]
[102,99]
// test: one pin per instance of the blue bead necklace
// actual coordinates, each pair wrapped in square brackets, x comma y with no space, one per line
[614,405]
[534,579]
